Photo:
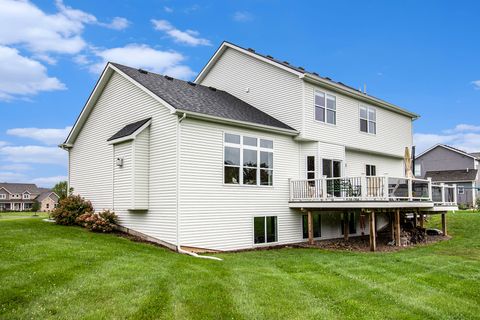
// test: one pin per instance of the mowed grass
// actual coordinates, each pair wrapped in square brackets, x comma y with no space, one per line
[51,271]
[22,214]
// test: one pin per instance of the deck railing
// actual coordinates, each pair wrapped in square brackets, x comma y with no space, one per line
[372,188]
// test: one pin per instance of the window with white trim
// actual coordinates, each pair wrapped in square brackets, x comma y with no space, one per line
[370,170]
[247,160]
[264,229]
[368,119]
[461,190]
[325,107]
[3,196]
[26,196]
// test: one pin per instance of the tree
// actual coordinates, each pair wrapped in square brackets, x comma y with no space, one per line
[62,190]
[35,206]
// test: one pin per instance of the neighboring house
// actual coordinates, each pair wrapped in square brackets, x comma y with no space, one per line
[22,196]
[445,164]
[255,152]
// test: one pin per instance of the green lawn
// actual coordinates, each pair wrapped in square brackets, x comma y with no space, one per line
[22,214]
[51,271]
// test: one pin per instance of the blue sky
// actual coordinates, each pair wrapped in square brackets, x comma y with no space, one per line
[421,55]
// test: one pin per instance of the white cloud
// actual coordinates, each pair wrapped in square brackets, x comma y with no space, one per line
[7,176]
[16,167]
[48,181]
[118,23]
[46,136]
[23,76]
[168,9]
[189,37]
[34,154]
[3,143]
[476,84]
[164,62]
[21,22]
[242,16]
[463,136]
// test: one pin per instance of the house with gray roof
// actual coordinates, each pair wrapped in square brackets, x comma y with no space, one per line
[446,164]
[22,196]
[255,152]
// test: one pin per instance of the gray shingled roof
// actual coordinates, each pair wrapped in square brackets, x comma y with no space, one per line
[44,195]
[452,175]
[21,187]
[187,96]
[476,155]
[128,129]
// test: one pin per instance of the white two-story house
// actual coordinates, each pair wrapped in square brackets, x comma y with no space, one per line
[254,152]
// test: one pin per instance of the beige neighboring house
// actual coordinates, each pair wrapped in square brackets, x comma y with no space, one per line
[22,196]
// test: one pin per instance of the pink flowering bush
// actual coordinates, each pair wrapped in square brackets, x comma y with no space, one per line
[98,222]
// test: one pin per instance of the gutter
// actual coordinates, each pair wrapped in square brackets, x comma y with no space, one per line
[179,248]
[250,125]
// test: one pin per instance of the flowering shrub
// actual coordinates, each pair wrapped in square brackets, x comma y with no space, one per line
[70,208]
[98,222]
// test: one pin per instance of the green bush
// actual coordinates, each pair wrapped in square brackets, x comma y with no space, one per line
[478,204]
[70,208]
[98,222]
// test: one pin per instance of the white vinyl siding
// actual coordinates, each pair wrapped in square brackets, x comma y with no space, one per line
[270,89]
[219,216]
[393,134]
[356,163]
[92,158]
[141,146]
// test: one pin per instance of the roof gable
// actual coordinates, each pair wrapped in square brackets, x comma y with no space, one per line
[452,175]
[181,97]
[306,75]
[129,131]
[447,148]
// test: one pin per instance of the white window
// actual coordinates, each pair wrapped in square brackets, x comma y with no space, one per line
[26,196]
[325,107]
[461,190]
[247,160]
[368,119]
[418,170]
[3,196]
[310,167]
[264,229]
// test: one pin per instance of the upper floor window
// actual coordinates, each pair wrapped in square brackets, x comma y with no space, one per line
[368,119]
[248,160]
[26,196]
[325,107]
[3,196]
[370,170]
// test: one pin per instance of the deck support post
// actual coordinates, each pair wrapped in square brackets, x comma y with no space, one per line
[392,223]
[345,226]
[373,232]
[444,223]
[310,227]
[415,219]
[397,228]
[422,218]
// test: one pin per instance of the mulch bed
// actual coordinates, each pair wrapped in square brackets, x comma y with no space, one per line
[362,244]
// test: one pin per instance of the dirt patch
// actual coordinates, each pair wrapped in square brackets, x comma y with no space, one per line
[362,244]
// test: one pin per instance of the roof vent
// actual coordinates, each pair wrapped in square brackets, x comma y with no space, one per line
[340,83]
[269,57]
[251,50]
[212,88]
[193,84]
[168,77]
[142,71]
[328,78]
[314,73]
[301,68]
[286,62]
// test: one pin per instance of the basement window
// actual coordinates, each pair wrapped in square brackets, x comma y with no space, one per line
[317,226]
[461,190]
[265,229]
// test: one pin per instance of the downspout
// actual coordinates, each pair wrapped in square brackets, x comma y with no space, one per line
[179,249]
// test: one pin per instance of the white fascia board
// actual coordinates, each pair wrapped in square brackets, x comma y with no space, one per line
[226,45]
[244,124]
[133,136]
[358,95]
[360,204]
